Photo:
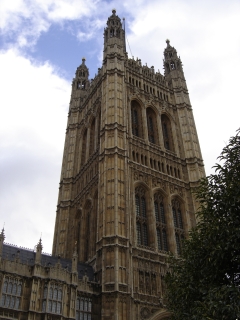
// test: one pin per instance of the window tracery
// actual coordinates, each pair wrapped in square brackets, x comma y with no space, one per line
[161,227]
[178,224]
[83,308]
[141,217]
[136,119]
[52,299]
[11,293]
[152,126]
[167,133]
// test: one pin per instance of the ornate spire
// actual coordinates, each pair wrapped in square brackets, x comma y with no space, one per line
[39,248]
[82,75]
[114,33]
[171,62]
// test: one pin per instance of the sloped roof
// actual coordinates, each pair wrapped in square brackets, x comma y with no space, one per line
[27,256]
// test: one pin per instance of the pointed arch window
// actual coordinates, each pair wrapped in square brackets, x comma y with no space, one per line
[178,224]
[54,300]
[161,227]
[167,132]
[83,308]
[111,32]
[136,119]
[152,125]
[11,293]
[141,217]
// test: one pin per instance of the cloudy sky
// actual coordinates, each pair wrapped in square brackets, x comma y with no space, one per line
[41,45]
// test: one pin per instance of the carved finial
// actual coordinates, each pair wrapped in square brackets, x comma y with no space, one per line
[83,60]
[114,11]
[39,245]
[168,42]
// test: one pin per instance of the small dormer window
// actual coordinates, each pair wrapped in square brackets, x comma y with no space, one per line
[170,54]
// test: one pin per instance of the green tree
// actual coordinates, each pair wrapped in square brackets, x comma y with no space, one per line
[204,283]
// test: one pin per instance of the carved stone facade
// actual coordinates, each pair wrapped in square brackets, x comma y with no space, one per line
[37,286]
[131,161]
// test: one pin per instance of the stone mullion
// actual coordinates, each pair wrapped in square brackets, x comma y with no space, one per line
[144,125]
[151,221]
[160,132]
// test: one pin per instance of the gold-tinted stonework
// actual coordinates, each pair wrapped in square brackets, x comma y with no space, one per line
[131,161]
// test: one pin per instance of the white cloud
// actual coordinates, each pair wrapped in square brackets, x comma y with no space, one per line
[26,20]
[34,104]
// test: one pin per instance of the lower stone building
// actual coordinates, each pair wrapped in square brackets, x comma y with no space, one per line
[37,286]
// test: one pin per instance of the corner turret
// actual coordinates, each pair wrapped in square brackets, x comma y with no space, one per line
[172,62]
[114,36]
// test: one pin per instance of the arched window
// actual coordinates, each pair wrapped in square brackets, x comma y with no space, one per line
[161,227]
[177,214]
[11,293]
[136,119]
[152,125]
[54,300]
[83,308]
[178,224]
[84,145]
[141,217]
[111,33]
[167,132]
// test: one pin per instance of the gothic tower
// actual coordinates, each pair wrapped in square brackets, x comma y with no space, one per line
[131,160]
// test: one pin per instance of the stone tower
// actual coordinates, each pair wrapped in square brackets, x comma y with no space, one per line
[131,160]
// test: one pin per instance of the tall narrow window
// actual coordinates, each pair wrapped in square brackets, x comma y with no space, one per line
[178,224]
[161,227]
[167,132]
[54,299]
[152,125]
[177,214]
[141,217]
[84,145]
[136,119]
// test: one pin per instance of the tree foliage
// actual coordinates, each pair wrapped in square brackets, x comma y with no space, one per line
[205,282]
